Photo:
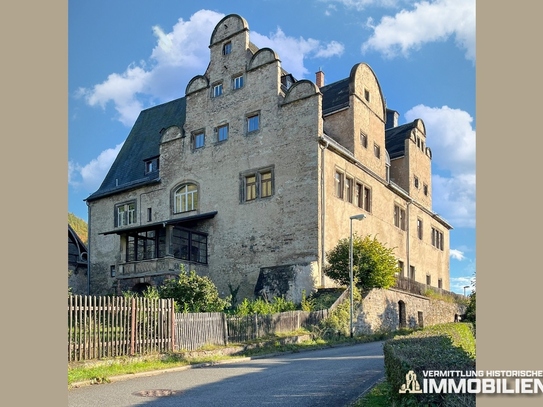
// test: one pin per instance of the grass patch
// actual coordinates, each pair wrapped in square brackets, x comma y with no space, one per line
[378,396]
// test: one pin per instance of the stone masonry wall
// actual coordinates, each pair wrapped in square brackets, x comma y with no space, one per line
[380,311]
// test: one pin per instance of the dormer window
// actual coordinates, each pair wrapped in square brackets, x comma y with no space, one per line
[151,165]
[227,48]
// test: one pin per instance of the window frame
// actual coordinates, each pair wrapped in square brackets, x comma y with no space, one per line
[178,206]
[339,184]
[188,239]
[128,216]
[399,217]
[364,139]
[146,245]
[227,48]
[377,150]
[151,165]
[250,119]
[217,90]
[219,128]
[420,230]
[196,136]
[257,184]
[238,82]
[437,238]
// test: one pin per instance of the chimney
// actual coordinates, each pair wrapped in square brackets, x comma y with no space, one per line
[320,78]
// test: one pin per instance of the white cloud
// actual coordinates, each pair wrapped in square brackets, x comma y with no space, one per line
[428,22]
[90,176]
[183,53]
[363,4]
[451,138]
[293,51]
[457,255]
[457,284]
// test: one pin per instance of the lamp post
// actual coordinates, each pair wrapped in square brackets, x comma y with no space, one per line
[467,286]
[354,217]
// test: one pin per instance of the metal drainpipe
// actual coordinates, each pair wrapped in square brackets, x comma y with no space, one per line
[88,247]
[407,244]
[323,209]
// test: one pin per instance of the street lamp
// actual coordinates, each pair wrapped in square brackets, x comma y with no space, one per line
[467,286]
[354,217]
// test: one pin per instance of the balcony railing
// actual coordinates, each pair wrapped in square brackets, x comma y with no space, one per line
[414,287]
[165,265]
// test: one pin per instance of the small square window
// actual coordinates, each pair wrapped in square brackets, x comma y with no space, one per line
[364,140]
[253,123]
[237,82]
[222,133]
[151,165]
[217,90]
[416,182]
[377,150]
[199,140]
[227,48]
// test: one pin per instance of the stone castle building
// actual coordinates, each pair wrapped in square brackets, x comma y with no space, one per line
[252,176]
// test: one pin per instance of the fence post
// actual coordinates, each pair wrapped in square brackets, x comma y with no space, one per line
[225,328]
[171,308]
[133,328]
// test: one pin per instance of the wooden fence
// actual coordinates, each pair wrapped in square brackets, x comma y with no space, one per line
[102,327]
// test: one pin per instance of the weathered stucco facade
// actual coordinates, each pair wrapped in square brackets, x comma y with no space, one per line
[251,177]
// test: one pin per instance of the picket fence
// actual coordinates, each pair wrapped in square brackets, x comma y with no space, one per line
[105,327]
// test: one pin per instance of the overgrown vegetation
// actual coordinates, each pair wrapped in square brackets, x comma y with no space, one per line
[440,347]
[190,292]
[374,265]
[79,226]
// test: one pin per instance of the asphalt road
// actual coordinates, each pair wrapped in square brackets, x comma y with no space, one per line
[329,377]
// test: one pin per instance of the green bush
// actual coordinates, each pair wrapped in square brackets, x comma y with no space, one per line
[263,307]
[439,347]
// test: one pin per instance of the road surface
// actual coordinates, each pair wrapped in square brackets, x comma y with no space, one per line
[328,377]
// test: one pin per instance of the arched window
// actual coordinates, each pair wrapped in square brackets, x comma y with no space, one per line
[185,198]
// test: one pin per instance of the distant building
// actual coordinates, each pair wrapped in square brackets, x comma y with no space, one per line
[77,264]
[251,178]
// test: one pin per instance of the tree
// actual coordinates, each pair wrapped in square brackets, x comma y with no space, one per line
[374,265]
[193,293]
[471,308]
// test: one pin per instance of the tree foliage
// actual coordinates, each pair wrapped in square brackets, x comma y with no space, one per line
[374,265]
[79,226]
[192,293]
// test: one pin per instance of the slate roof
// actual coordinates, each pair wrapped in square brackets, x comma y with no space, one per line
[395,139]
[142,143]
[335,96]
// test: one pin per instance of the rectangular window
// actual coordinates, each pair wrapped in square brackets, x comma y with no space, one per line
[189,245]
[151,165]
[349,189]
[419,228]
[237,82]
[416,182]
[399,217]
[425,189]
[428,279]
[364,140]
[112,271]
[227,48]
[437,239]
[358,195]
[401,267]
[257,184]
[253,122]
[199,140]
[412,272]
[367,95]
[367,199]
[377,150]
[339,184]
[125,214]
[439,283]
[250,187]
[145,245]
[222,133]
[217,90]
[149,214]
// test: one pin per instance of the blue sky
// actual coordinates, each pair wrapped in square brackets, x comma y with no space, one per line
[128,55]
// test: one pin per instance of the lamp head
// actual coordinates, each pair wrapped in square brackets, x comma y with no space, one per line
[358,217]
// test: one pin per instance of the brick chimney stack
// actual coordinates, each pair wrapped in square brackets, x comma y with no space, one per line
[320,78]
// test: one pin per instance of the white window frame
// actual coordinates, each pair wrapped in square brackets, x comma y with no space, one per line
[185,198]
